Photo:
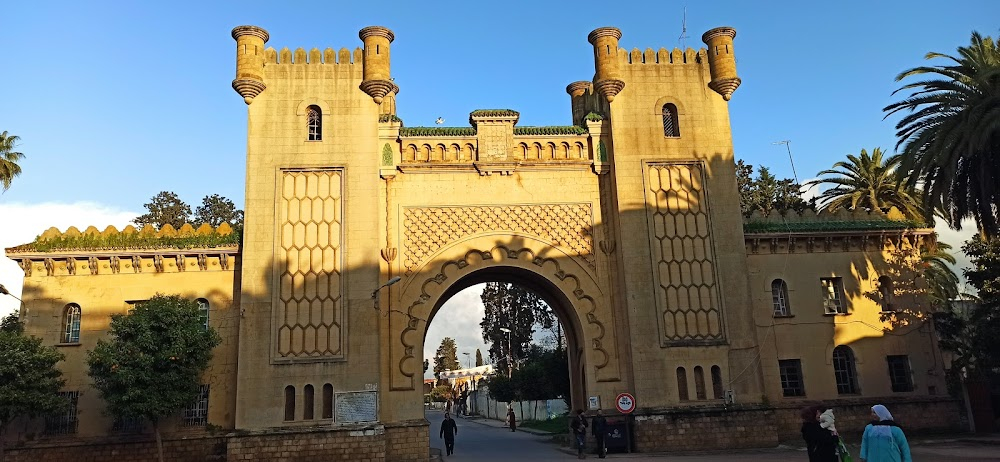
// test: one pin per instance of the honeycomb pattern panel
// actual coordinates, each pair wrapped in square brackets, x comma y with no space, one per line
[681,246]
[309,312]
[428,229]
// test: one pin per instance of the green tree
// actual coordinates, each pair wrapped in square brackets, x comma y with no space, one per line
[30,381]
[12,323]
[868,182]
[427,364]
[9,159]
[518,310]
[767,193]
[151,365]
[479,358]
[950,135]
[446,357]
[216,210]
[942,282]
[165,208]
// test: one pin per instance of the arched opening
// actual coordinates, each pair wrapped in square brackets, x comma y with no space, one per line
[779,298]
[885,291]
[845,370]
[289,403]
[307,402]
[314,123]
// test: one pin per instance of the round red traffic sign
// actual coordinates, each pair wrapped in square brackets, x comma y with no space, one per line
[625,403]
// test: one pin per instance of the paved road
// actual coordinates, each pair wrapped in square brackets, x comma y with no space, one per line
[485,442]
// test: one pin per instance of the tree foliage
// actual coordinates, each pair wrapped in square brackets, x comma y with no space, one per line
[12,324]
[950,135]
[543,374]
[29,380]
[512,307]
[9,159]
[767,193]
[868,182]
[446,357]
[972,331]
[152,362]
[479,358]
[216,210]
[165,208]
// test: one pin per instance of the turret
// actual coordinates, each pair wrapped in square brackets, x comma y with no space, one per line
[722,61]
[576,91]
[250,42]
[607,80]
[377,80]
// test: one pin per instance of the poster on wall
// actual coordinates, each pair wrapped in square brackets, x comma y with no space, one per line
[356,406]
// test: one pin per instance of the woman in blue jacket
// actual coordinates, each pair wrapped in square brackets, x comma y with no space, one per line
[883,440]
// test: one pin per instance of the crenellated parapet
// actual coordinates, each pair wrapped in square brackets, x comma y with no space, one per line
[314,56]
[129,251]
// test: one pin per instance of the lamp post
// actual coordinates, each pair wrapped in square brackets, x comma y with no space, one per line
[468,360]
[510,361]
[379,288]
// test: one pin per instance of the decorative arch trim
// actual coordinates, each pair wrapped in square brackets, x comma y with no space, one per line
[323,106]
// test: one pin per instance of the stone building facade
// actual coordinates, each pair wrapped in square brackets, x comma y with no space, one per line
[626,222]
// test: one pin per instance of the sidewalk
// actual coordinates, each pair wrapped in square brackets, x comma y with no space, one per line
[500,424]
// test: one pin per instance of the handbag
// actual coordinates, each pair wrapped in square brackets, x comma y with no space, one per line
[845,455]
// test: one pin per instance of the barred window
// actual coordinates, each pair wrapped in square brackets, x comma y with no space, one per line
[670,123]
[64,423]
[885,291]
[717,392]
[128,424]
[900,374]
[682,384]
[779,298]
[699,383]
[315,123]
[203,311]
[197,414]
[833,295]
[71,323]
[790,372]
[845,371]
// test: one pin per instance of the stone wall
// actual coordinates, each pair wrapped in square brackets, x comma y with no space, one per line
[705,428]
[399,442]
[915,415]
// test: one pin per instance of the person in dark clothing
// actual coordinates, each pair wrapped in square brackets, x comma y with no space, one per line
[448,432]
[821,444]
[578,425]
[598,427]
[511,419]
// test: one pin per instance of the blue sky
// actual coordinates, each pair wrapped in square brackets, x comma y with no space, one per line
[116,101]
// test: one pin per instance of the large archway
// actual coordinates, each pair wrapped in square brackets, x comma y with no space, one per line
[568,285]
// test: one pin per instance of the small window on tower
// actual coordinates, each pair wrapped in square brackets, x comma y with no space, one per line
[670,126]
[314,123]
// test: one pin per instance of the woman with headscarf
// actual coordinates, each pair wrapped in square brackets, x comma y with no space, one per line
[821,444]
[883,440]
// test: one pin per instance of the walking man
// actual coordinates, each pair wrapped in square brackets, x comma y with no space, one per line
[599,427]
[579,427]
[448,432]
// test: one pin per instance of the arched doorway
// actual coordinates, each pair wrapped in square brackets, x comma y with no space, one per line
[569,286]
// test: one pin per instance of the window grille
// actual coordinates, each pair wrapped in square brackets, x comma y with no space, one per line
[699,383]
[670,128]
[203,312]
[790,372]
[197,414]
[886,292]
[833,296]
[71,323]
[845,371]
[779,298]
[900,374]
[64,423]
[314,123]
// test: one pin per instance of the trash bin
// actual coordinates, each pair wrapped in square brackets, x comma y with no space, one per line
[616,435]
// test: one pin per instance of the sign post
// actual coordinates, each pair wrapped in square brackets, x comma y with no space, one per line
[625,403]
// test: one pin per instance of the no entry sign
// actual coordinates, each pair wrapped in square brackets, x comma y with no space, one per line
[625,403]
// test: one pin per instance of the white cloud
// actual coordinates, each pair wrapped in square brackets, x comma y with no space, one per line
[459,319]
[23,222]
[956,239]
[809,192]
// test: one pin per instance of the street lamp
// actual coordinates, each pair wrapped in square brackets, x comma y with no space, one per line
[379,288]
[468,360]
[510,361]
[4,291]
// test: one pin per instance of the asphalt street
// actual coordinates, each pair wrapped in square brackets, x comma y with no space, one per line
[486,441]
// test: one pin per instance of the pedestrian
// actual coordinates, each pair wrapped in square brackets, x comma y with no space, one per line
[821,444]
[598,427]
[883,440]
[511,420]
[579,427]
[448,431]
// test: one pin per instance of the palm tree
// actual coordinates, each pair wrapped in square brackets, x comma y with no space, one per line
[868,182]
[951,136]
[942,282]
[8,159]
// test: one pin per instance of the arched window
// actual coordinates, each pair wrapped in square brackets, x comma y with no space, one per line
[289,403]
[203,312]
[328,401]
[699,383]
[845,371]
[717,382]
[885,291]
[682,384]
[307,402]
[314,121]
[779,298]
[71,323]
[670,122]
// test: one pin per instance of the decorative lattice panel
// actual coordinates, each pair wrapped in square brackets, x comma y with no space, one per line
[309,309]
[681,247]
[428,229]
